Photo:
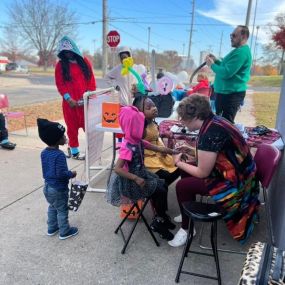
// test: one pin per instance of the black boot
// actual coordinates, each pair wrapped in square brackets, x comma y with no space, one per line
[158,225]
[168,223]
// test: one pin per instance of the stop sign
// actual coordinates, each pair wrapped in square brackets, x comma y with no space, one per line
[113,38]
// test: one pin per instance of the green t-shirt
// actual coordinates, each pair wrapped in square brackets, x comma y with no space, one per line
[233,72]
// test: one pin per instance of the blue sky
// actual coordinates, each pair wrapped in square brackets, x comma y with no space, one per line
[169,22]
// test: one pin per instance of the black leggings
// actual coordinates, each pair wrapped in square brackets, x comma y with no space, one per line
[159,197]
[3,130]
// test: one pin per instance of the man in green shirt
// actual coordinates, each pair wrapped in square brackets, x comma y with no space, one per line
[231,74]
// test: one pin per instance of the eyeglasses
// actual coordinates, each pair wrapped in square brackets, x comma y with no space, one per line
[234,35]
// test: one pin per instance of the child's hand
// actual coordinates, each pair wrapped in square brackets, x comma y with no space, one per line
[167,150]
[140,181]
[74,173]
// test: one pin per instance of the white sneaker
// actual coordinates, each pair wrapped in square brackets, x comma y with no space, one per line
[180,238]
[178,219]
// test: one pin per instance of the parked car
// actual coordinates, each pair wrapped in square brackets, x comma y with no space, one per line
[22,68]
[13,66]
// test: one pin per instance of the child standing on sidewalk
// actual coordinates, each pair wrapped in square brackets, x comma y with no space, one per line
[131,179]
[56,175]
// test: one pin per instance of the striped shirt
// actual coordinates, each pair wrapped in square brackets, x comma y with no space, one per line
[54,167]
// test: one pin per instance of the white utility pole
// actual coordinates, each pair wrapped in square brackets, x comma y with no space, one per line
[148,46]
[253,25]
[104,39]
[221,43]
[191,32]
[248,13]
[255,48]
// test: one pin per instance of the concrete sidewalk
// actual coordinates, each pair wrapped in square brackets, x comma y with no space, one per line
[28,256]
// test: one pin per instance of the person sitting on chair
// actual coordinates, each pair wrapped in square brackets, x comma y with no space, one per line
[160,164]
[224,169]
[4,141]
[131,178]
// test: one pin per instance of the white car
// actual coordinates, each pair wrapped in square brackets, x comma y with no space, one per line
[21,68]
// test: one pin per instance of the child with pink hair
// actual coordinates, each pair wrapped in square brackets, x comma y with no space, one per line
[131,179]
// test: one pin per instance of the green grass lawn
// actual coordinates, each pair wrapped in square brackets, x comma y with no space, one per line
[268,81]
[265,108]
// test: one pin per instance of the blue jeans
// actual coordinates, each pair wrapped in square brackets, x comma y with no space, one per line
[57,210]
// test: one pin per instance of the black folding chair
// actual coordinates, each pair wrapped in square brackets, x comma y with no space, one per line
[140,215]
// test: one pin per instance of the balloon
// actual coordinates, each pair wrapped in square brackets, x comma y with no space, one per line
[165,85]
[139,68]
[142,68]
[146,84]
[127,67]
[172,76]
[182,76]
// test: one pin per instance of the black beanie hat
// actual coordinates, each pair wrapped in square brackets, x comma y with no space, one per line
[50,132]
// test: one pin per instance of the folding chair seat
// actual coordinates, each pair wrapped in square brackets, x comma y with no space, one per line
[206,213]
[4,104]
[140,215]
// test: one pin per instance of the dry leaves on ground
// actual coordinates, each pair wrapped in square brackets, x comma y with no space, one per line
[51,110]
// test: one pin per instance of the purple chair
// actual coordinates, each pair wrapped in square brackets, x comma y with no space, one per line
[267,158]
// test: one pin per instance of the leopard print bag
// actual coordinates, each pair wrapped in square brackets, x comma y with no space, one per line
[264,265]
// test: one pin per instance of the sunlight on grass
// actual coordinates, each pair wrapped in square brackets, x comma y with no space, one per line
[268,81]
[265,108]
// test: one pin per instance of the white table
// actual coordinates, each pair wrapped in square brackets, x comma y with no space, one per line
[114,131]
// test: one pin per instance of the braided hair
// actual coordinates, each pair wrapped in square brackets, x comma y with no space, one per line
[139,102]
[65,64]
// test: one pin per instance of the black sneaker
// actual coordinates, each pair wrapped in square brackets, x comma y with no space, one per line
[158,225]
[73,231]
[168,223]
[78,156]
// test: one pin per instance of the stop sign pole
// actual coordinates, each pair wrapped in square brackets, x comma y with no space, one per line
[113,39]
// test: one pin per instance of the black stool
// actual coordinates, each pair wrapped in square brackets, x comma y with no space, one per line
[209,213]
[140,214]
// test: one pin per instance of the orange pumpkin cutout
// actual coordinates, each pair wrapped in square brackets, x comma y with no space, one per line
[110,115]
[124,209]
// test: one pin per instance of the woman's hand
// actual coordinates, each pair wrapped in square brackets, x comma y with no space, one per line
[187,149]
[140,181]
[177,158]
[72,103]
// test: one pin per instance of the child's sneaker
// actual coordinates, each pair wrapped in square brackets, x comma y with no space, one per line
[73,231]
[158,225]
[52,232]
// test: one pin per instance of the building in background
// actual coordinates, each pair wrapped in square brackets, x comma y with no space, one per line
[3,62]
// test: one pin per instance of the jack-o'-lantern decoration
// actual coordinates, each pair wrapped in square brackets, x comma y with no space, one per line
[110,115]
[125,208]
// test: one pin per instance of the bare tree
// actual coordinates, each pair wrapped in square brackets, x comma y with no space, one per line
[12,44]
[42,23]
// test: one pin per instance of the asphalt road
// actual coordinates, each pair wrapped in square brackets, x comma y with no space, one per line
[27,89]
